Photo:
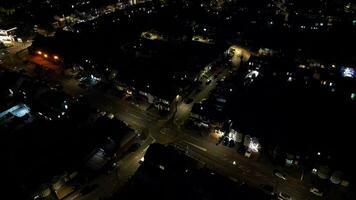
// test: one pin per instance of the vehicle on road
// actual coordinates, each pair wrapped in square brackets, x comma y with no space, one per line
[188,101]
[279,174]
[101,113]
[114,165]
[284,196]
[134,147]
[248,153]
[316,191]
[268,189]
[231,143]
[226,141]
[111,116]
[147,35]
[57,87]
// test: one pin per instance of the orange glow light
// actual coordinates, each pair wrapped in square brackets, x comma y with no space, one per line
[56,57]
[45,55]
[39,52]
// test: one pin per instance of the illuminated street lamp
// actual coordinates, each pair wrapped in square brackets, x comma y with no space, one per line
[39,52]
[45,55]
[55,57]
[254,145]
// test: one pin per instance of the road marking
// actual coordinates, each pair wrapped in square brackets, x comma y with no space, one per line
[233,179]
[153,140]
[196,146]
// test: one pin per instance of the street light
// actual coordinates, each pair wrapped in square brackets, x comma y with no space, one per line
[39,52]
[55,57]
[254,145]
[45,55]
[141,160]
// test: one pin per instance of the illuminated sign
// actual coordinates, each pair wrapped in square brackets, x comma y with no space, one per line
[18,111]
[348,72]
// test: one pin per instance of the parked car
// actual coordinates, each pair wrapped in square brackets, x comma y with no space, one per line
[188,101]
[279,174]
[316,191]
[134,147]
[284,196]
[111,115]
[248,153]
[226,141]
[232,143]
[268,189]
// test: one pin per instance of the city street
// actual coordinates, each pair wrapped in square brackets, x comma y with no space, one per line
[200,93]
[104,100]
[160,129]
[221,159]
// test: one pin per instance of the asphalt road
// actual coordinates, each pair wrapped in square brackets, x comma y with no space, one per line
[200,93]
[161,130]
[220,158]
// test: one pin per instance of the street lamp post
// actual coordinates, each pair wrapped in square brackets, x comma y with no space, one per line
[175,106]
[302,175]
